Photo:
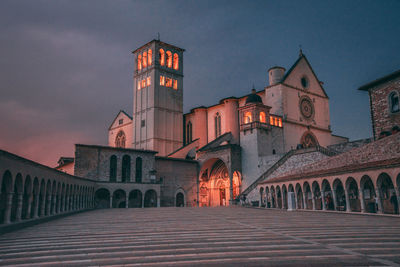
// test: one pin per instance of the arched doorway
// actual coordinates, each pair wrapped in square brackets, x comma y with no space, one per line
[214,183]
[102,199]
[291,197]
[150,199]
[262,203]
[179,200]
[368,188]
[299,195]
[387,194]
[284,195]
[135,199]
[267,198]
[326,195]
[6,185]
[278,197]
[119,199]
[308,196]
[273,197]
[317,195]
[340,195]
[352,189]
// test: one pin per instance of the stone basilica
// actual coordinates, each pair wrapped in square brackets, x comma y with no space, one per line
[270,148]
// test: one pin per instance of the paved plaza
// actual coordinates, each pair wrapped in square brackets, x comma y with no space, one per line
[206,236]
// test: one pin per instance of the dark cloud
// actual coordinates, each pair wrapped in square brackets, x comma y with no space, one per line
[66,67]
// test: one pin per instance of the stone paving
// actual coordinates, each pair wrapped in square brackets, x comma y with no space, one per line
[205,236]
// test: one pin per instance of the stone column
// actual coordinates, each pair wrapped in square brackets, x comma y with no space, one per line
[111,201]
[398,199]
[362,200]
[335,204]
[18,213]
[346,194]
[36,207]
[126,201]
[313,200]
[7,211]
[283,199]
[231,200]
[379,200]
[295,200]
[142,200]
[323,200]
[305,200]
[158,200]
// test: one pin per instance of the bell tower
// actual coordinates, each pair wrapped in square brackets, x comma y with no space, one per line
[158,97]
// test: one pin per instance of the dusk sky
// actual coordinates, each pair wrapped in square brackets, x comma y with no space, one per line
[67,68]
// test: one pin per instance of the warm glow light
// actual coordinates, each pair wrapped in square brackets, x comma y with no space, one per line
[175,85]
[280,122]
[263,118]
[162,80]
[168,82]
[144,59]
[247,117]
[150,57]
[176,61]
[148,81]
[169,59]
[139,62]
[144,83]
[138,85]
[271,120]
[275,121]
[162,57]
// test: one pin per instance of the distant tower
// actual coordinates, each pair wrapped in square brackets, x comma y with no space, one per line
[158,97]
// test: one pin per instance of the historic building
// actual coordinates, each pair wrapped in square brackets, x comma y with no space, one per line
[273,146]
[364,179]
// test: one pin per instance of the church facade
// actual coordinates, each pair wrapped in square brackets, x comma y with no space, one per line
[234,141]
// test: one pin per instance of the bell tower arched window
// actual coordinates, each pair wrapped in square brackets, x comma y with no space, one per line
[169,59]
[149,57]
[176,61]
[394,102]
[217,122]
[189,133]
[144,59]
[162,57]
[139,62]
[247,117]
[263,117]
[120,139]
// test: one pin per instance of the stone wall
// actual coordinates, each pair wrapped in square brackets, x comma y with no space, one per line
[177,175]
[93,162]
[382,119]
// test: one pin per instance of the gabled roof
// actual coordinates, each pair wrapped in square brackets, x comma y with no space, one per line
[123,112]
[302,56]
[381,80]
[217,142]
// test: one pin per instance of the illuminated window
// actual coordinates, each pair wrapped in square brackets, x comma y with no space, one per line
[169,59]
[162,57]
[175,84]
[162,80]
[139,85]
[150,57]
[271,120]
[139,62]
[276,121]
[263,118]
[176,61]
[168,82]
[148,81]
[394,102]
[143,83]
[280,122]
[217,122]
[247,117]
[144,59]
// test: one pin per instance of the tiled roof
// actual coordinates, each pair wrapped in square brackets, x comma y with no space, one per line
[381,153]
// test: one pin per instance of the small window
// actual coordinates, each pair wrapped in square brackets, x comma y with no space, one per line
[139,85]
[304,82]
[175,86]
[168,82]
[139,62]
[144,59]
[394,102]
[176,61]
[162,80]
[162,57]
[142,123]
[143,83]
[273,152]
[217,124]
[169,59]
[247,117]
[121,121]
[148,81]
[263,117]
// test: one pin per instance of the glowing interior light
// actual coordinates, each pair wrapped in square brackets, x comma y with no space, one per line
[144,59]
[162,80]
[162,57]
[150,57]
[139,62]
[148,81]
[247,117]
[175,84]
[176,61]
[263,118]
[169,59]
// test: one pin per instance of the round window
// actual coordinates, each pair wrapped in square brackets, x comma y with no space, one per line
[304,82]
[306,107]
